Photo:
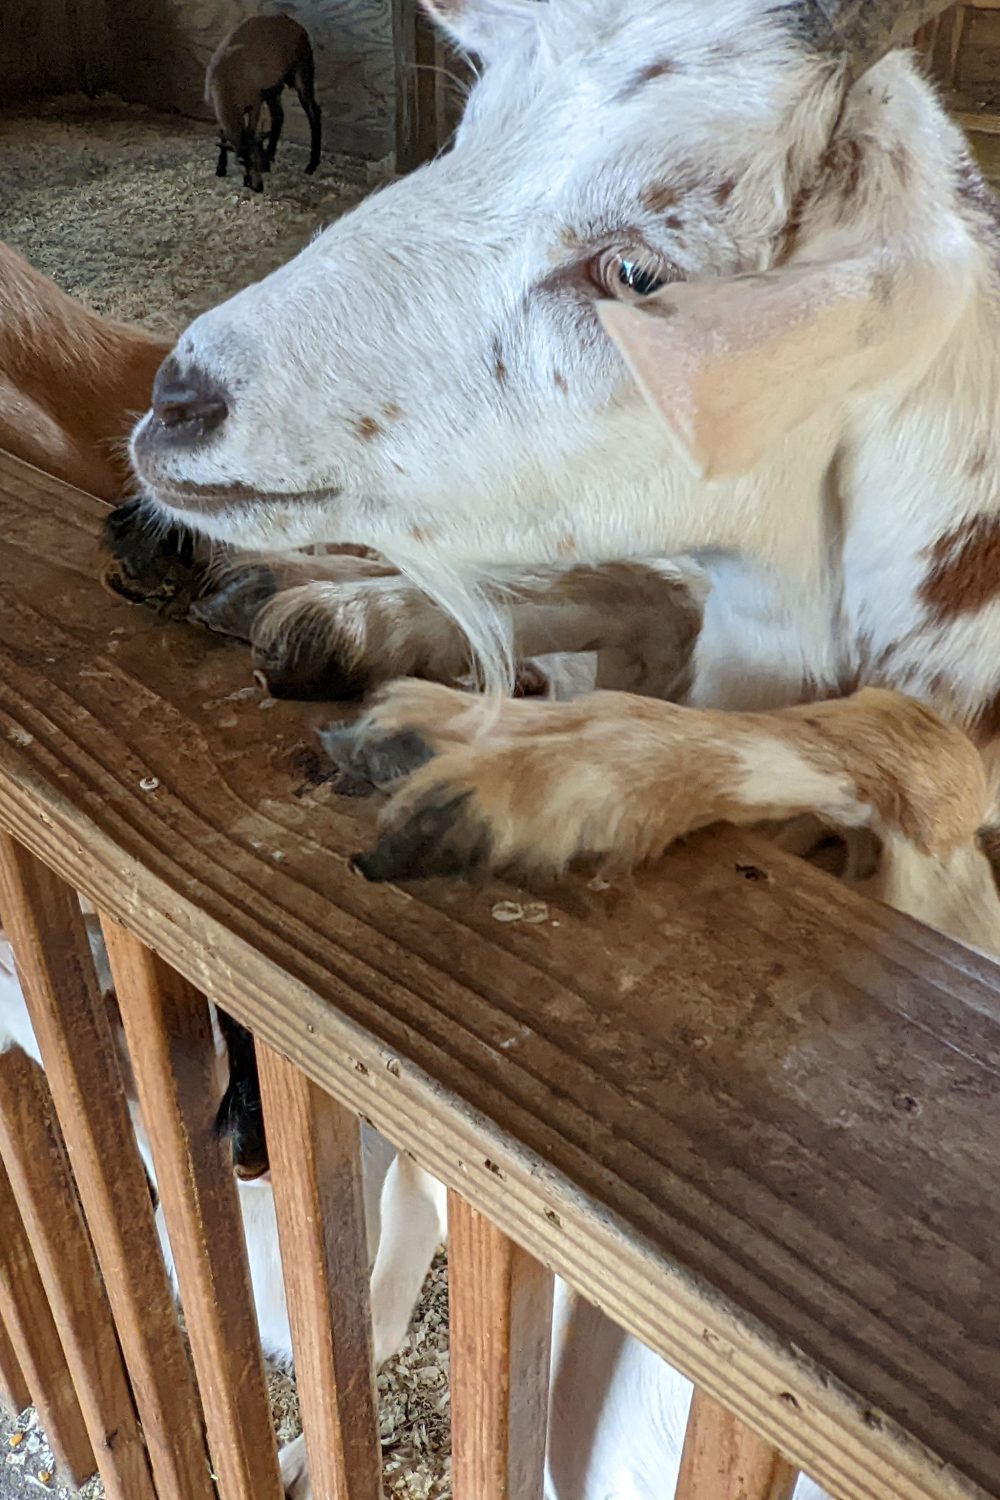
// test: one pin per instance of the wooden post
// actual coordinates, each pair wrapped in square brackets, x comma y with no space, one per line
[724,1460]
[314,1145]
[70,1020]
[420,97]
[500,1302]
[41,1368]
[32,1149]
[173,1057]
[14,1392]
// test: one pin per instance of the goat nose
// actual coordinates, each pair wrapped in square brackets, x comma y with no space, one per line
[191,397]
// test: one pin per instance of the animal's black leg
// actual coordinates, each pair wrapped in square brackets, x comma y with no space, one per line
[240,1117]
[305,83]
[222,164]
[277,121]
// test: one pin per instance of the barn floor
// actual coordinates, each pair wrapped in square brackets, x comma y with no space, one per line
[122,208]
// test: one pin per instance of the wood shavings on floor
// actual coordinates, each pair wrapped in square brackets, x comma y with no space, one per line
[121,206]
[414,1417]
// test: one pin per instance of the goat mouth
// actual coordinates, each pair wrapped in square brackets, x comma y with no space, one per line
[210,499]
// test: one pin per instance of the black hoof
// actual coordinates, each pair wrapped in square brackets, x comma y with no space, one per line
[163,566]
[373,763]
[443,837]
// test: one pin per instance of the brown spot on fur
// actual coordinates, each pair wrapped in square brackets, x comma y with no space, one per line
[659,198]
[902,163]
[843,165]
[560,382]
[724,191]
[964,575]
[979,462]
[985,729]
[567,546]
[674,221]
[421,534]
[500,371]
[391,411]
[661,69]
[368,428]
[882,287]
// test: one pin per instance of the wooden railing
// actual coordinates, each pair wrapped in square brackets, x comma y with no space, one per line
[754,1119]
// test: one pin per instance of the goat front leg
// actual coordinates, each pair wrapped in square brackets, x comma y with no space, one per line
[332,639]
[531,786]
[222,165]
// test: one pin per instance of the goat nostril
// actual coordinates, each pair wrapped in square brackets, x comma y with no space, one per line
[194,399]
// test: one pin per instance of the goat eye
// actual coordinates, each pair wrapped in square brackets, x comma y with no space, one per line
[639,279]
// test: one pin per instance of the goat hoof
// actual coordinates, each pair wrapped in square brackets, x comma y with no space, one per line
[441,836]
[303,668]
[364,764]
[166,569]
[235,605]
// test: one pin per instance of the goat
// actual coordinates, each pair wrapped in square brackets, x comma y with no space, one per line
[767,231]
[249,69]
[71,383]
[810,304]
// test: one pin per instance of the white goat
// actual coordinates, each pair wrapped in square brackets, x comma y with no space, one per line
[787,239]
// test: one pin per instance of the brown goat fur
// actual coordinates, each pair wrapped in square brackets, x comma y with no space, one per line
[71,383]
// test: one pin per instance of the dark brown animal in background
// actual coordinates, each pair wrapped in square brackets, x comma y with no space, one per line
[71,383]
[249,69]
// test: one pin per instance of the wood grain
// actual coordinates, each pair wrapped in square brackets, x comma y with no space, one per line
[314,1145]
[724,1460]
[173,1057]
[42,1374]
[14,1392]
[70,1021]
[500,1317]
[34,1155]
[753,1117]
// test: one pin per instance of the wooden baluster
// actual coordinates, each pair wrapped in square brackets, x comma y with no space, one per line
[41,1368]
[70,1020]
[724,1460]
[314,1146]
[173,1057]
[14,1392]
[34,1155]
[500,1308]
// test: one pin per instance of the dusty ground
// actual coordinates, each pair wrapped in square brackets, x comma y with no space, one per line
[123,209]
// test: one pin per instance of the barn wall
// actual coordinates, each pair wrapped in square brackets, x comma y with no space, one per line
[53,46]
[161,48]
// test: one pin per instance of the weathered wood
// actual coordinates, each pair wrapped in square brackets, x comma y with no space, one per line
[170,1042]
[752,1116]
[314,1145]
[421,123]
[34,1155]
[14,1392]
[41,1374]
[70,1021]
[500,1321]
[724,1460]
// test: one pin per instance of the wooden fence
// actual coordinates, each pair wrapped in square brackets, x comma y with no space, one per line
[754,1119]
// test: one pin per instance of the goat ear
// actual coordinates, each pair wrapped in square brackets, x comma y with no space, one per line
[734,366]
[484,27]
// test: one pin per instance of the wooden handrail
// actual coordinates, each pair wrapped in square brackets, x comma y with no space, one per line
[752,1117]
